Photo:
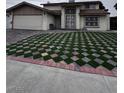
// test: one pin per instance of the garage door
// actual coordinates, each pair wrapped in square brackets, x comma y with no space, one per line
[28,22]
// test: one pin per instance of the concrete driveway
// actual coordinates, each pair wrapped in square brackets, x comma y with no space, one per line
[12,36]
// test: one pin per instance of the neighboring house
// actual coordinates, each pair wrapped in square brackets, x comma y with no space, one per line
[69,15]
[113,20]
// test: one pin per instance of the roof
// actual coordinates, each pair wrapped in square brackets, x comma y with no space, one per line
[29,4]
[23,3]
[94,12]
[75,3]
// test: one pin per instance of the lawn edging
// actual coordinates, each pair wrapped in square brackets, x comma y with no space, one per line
[72,67]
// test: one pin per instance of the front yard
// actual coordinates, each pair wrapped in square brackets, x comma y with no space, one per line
[91,49]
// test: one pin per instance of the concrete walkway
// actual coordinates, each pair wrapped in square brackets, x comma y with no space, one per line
[30,78]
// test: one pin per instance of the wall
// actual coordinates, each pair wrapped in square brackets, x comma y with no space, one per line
[9,22]
[97,6]
[53,7]
[48,19]
[27,10]
[83,6]
[103,23]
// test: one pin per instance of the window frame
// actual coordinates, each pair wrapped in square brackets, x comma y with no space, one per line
[98,22]
[70,10]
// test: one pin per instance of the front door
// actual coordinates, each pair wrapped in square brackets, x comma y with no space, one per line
[70,21]
[70,18]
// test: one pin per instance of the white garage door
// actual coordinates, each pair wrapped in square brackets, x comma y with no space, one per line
[28,22]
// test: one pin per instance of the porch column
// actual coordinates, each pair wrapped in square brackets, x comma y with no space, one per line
[63,18]
[44,21]
[77,18]
[108,22]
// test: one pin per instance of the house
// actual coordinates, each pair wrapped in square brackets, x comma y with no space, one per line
[28,16]
[113,20]
[66,15]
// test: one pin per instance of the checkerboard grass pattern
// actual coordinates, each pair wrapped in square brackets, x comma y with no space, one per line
[92,49]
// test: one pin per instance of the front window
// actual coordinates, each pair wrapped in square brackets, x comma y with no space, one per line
[91,21]
[70,11]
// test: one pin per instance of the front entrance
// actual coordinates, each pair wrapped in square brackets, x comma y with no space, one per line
[70,18]
[70,21]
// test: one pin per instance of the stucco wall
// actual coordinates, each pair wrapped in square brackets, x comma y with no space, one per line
[83,6]
[49,19]
[9,22]
[103,23]
[27,10]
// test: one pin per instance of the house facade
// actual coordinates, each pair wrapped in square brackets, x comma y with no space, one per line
[68,15]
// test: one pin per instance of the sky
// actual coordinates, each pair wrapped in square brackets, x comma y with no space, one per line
[107,3]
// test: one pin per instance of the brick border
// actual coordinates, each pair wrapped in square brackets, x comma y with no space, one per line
[61,65]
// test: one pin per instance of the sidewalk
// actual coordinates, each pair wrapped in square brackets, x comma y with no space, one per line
[30,78]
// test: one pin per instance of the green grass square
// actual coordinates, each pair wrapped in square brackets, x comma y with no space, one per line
[108,66]
[93,64]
